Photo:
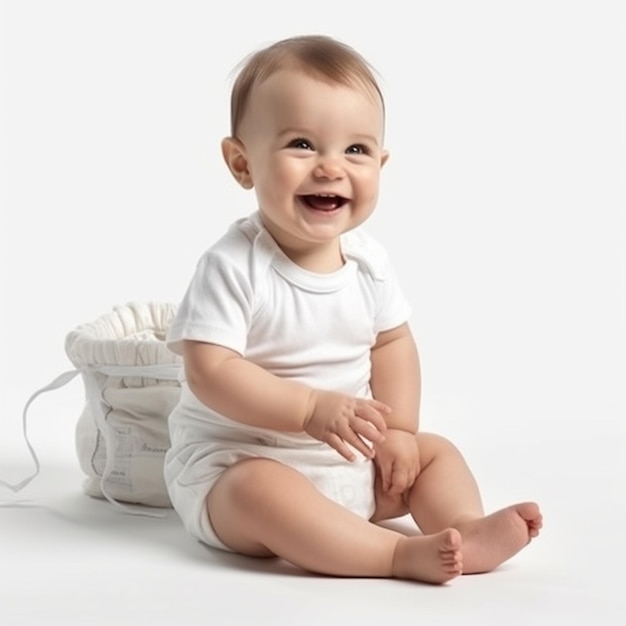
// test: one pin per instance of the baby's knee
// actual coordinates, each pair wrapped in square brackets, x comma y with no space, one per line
[243,481]
[431,444]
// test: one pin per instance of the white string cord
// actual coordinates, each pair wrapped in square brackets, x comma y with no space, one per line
[162,372]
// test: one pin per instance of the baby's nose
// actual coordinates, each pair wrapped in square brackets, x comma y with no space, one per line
[329,167]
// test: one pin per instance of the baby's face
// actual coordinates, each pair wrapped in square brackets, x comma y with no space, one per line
[314,152]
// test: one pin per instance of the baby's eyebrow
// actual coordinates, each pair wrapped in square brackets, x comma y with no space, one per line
[300,132]
[365,138]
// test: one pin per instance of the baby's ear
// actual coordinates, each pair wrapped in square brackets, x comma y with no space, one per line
[384,157]
[234,153]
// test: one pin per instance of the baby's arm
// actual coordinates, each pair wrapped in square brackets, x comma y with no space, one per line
[245,392]
[396,381]
[395,378]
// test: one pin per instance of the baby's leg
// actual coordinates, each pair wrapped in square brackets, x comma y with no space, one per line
[262,508]
[445,495]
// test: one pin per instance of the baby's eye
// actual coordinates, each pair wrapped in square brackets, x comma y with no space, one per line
[301,144]
[357,148]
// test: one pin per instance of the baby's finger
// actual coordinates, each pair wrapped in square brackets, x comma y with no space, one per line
[367,412]
[381,407]
[402,479]
[385,475]
[351,437]
[366,430]
[340,446]
[358,444]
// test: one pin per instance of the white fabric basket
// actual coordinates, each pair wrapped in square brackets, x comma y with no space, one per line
[131,385]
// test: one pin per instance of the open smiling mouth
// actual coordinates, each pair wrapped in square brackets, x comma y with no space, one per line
[324,201]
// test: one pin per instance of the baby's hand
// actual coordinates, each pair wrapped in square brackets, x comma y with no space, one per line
[398,461]
[339,419]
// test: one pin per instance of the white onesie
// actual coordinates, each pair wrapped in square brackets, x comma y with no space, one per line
[317,329]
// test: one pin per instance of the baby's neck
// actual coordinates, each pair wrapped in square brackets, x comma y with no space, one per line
[321,259]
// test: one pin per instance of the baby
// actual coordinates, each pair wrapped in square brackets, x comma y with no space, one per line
[297,429]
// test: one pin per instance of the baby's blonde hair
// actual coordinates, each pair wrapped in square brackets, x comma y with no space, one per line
[319,56]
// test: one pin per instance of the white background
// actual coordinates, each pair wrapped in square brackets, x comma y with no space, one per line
[503,206]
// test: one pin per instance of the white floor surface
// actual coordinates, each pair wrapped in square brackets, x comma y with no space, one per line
[69,559]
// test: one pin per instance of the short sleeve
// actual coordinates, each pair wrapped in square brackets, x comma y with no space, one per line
[393,307]
[216,307]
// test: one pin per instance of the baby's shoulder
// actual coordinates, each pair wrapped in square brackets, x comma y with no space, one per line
[367,251]
[243,249]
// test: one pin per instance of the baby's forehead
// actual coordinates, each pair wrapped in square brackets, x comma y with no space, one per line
[272,87]
[281,77]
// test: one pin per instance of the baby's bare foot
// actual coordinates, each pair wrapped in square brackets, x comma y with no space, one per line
[491,540]
[429,558]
